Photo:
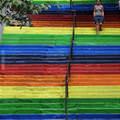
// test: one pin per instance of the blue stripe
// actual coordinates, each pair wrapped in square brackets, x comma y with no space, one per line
[46,46]
[59,50]
[62,117]
[61,53]
[81,7]
[59,62]
[20,59]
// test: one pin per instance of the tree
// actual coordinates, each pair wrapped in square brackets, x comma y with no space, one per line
[17,12]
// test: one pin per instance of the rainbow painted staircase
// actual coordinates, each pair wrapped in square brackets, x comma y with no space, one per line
[35,62]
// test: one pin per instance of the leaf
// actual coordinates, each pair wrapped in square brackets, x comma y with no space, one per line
[17,9]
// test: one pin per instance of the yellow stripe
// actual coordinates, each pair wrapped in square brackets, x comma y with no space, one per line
[31,92]
[38,30]
[105,31]
[94,92]
[59,30]
[58,92]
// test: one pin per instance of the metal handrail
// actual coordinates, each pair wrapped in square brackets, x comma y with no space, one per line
[70,57]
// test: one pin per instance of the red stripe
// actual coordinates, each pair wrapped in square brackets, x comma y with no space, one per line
[60,17]
[47,69]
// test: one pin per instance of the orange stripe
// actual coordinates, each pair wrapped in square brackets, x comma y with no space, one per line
[59,80]
[69,24]
[97,79]
[52,23]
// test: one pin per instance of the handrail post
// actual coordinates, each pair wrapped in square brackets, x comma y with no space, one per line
[68,73]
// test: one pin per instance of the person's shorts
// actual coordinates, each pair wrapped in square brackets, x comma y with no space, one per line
[98,19]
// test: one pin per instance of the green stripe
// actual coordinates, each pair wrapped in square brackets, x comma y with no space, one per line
[22,106]
[97,40]
[74,1]
[36,39]
[45,100]
[61,39]
[93,1]
[35,36]
[50,2]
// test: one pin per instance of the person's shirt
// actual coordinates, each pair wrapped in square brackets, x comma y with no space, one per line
[98,10]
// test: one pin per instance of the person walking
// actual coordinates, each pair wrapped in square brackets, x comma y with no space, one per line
[98,15]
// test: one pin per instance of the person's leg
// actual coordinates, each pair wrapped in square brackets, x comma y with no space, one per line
[97,24]
[101,22]
[97,28]
[100,28]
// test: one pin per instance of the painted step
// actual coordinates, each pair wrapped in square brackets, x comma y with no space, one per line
[58,69]
[60,39]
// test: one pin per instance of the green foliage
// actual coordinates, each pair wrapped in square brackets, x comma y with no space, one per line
[11,10]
